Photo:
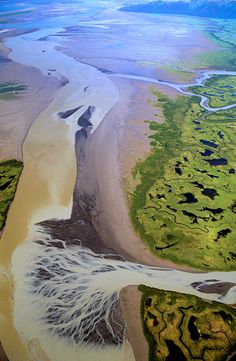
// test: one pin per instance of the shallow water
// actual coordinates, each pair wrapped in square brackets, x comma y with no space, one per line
[63,311]
[67,293]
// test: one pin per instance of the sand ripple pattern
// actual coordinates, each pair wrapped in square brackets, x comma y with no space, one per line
[73,294]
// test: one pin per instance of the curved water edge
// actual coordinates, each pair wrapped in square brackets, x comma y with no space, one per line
[101,278]
[203,76]
[72,294]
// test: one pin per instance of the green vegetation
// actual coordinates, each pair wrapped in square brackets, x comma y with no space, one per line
[221,33]
[186,328]
[185,203]
[10,171]
[226,116]
[179,73]
[10,90]
[220,90]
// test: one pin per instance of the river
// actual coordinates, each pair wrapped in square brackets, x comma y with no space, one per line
[62,294]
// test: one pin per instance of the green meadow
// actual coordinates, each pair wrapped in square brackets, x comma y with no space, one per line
[185,328]
[10,171]
[184,206]
[220,90]
[11,90]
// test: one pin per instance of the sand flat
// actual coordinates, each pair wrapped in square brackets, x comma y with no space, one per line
[130,298]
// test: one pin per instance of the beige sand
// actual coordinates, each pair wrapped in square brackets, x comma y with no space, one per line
[18,114]
[102,175]
[45,191]
[130,298]
[39,178]
[46,185]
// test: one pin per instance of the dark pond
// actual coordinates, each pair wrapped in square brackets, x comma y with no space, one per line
[216,162]
[207,153]
[197,184]
[213,210]
[209,192]
[208,143]
[224,315]
[178,171]
[194,334]
[221,135]
[209,94]
[189,198]
[175,352]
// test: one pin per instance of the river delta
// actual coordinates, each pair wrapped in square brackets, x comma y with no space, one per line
[124,154]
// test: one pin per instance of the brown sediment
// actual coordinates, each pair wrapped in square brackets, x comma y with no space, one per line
[221,288]
[18,114]
[13,346]
[78,230]
[3,356]
[101,175]
[135,144]
[99,192]
[130,299]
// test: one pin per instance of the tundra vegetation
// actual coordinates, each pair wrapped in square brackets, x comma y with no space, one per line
[184,206]
[10,171]
[186,328]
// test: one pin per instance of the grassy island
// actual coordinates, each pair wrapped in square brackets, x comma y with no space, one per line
[10,90]
[220,90]
[10,171]
[184,206]
[186,328]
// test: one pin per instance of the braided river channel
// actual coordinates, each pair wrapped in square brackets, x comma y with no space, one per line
[67,297]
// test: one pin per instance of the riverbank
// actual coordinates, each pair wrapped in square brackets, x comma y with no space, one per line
[18,111]
[130,298]
[101,175]
[47,182]
[46,190]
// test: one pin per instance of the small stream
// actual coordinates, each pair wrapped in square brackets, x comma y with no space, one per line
[182,88]
[67,298]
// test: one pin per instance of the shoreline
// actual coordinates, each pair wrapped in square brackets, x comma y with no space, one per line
[100,175]
[47,198]
[130,298]
[45,144]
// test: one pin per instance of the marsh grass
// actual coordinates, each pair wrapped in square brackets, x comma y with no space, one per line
[10,171]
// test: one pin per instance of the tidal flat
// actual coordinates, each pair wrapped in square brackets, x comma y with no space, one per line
[66,255]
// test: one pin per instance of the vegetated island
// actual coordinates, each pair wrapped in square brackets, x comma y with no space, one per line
[208,9]
[186,328]
[10,171]
[10,90]
[184,206]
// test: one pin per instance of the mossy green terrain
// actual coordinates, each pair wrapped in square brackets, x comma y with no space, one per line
[10,90]
[220,90]
[222,34]
[185,204]
[185,328]
[10,171]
